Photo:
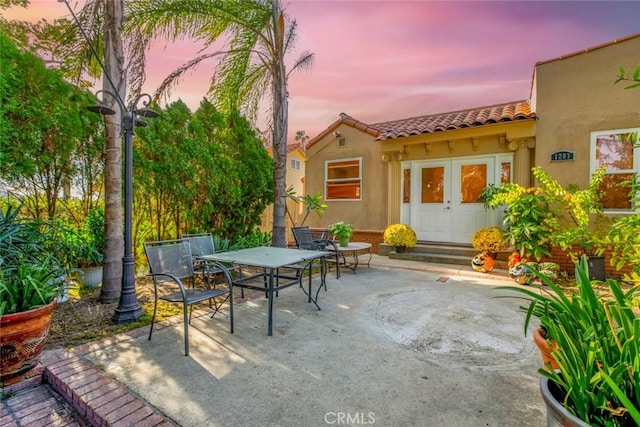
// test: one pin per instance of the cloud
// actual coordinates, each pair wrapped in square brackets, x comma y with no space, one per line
[386,60]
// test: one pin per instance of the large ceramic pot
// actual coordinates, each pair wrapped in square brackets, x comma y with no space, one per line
[22,338]
[557,415]
[92,276]
[543,346]
[597,269]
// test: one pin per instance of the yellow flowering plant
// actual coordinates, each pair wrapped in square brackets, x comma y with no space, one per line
[489,239]
[400,235]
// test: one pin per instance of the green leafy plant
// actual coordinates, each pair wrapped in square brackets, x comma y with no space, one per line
[341,230]
[526,216]
[632,80]
[252,240]
[596,347]
[548,215]
[30,276]
[489,239]
[578,223]
[400,235]
[76,247]
[312,203]
[222,244]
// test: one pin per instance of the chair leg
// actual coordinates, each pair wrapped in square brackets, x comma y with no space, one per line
[153,318]
[187,317]
[231,309]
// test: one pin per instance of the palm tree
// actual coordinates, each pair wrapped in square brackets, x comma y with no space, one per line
[259,35]
[108,16]
[113,235]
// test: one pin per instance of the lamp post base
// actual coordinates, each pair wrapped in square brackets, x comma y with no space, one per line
[127,314]
[129,308]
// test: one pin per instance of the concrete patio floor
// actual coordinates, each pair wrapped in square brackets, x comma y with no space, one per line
[399,344]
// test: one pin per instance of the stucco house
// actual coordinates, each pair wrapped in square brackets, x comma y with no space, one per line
[427,171]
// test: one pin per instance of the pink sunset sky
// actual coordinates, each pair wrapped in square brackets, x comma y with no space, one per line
[386,60]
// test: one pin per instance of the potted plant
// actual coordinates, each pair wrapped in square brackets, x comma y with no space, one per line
[401,236]
[594,340]
[29,285]
[490,240]
[342,231]
[93,256]
[80,249]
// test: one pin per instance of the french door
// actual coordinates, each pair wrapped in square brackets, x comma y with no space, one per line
[443,202]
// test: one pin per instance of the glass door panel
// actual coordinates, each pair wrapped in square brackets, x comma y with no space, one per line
[432,185]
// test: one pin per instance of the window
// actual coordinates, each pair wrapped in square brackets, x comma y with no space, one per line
[406,185]
[614,150]
[294,164]
[343,179]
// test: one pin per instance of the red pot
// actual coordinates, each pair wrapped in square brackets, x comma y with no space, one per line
[22,338]
[543,345]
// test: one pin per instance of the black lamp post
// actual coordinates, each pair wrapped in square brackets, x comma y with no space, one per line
[128,306]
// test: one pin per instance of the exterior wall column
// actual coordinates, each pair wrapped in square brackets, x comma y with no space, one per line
[394,185]
[522,160]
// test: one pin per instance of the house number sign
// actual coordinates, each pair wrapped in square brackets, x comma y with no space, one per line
[563,156]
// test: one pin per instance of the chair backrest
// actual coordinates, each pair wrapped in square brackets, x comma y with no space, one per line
[169,257]
[304,238]
[201,244]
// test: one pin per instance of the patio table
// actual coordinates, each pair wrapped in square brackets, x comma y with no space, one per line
[349,255]
[271,260]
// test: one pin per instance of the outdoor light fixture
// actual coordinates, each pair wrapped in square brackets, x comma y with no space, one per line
[128,306]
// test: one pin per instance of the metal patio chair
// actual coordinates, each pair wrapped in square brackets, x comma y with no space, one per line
[305,239]
[202,244]
[170,265]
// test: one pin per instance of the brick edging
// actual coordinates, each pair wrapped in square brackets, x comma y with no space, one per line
[100,400]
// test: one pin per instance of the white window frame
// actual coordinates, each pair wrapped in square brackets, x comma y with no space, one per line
[295,164]
[327,180]
[593,165]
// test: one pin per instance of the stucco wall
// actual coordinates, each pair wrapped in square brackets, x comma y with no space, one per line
[368,213]
[575,96]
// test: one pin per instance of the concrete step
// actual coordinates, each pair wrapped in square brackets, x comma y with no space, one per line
[443,254]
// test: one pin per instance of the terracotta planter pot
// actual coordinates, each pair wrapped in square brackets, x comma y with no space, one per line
[543,346]
[22,338]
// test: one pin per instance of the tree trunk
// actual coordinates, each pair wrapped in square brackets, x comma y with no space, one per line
[280,120]
[113,234]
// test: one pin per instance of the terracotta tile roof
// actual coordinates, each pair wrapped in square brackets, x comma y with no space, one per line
[291,147]
[511,111]
[344,119]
